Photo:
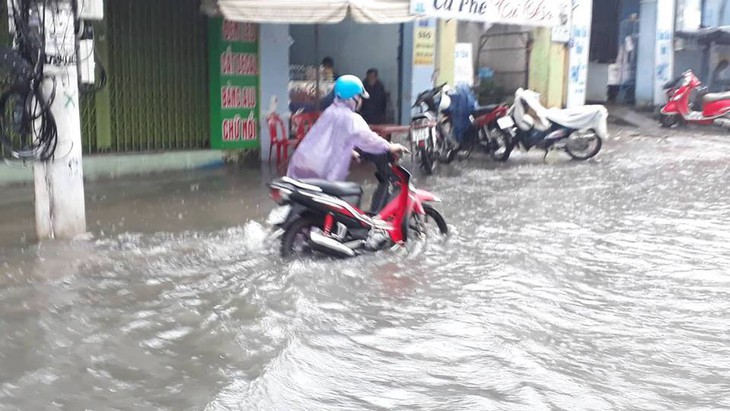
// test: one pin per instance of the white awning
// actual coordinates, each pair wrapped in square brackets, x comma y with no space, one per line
[311,11]
[381,11]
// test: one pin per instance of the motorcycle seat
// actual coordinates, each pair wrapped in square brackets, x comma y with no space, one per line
[712,97]
[480,111]
[336,188]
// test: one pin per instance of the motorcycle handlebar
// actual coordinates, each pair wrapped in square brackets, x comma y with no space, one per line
[389,157]
[433,91]
[673,83]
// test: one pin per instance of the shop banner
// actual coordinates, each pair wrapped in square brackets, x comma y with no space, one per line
[234,85]
[664,52]
[424,60]
[579,51]
[464,64]
[424,44]
[519,12]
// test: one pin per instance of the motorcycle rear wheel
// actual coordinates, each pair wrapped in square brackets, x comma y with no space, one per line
[669,120]
[501,145]
[579,152]
[295,241]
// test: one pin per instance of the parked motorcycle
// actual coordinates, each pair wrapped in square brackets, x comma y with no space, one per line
[323,216]
[428,135]
[484,134]
[578,131]
[687,93]
[470,126]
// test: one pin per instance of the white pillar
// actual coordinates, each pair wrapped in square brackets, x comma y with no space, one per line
[581,21]
[274,42]
[664,49]
[59,182]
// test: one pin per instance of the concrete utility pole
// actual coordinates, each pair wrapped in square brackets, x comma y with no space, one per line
[60,207]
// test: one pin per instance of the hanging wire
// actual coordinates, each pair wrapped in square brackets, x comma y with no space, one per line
[27,127]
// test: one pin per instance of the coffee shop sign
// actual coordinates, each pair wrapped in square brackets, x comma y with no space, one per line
[518,12]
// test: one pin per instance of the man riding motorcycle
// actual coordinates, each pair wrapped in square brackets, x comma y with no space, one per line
[329,147]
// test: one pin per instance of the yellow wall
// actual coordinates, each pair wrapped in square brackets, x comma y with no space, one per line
[548,68]
[446,48]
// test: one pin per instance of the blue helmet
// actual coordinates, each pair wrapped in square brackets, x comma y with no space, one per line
[349,86]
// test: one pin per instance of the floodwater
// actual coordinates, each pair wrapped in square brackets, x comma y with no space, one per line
[564,285]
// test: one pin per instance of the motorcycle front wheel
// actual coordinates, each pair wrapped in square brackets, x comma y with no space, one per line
[583,144]
[422,224]
[450,156]
[447,149]
[427,159]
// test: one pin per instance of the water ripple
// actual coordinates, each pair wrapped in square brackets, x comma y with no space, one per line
[603,285]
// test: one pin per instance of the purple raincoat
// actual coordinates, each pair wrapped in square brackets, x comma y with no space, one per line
[326,151]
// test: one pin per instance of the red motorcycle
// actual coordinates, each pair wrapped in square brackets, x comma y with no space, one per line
[490,137]
[680,109]
[323,216]
[482,133]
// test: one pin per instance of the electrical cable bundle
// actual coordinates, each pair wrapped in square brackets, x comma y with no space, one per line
[27,127]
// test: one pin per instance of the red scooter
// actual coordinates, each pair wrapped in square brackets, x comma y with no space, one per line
[323,216]
[715,106]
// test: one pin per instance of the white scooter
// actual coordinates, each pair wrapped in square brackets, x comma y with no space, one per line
[577,131]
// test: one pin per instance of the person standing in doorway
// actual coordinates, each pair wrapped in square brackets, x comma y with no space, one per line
[328,68]
[626,59]
[328,74]
[373,109]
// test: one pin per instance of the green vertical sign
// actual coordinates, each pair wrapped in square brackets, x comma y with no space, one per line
[234,84]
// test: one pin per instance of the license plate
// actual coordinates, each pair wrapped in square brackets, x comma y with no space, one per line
[278,215]
[505,122]
[420,134]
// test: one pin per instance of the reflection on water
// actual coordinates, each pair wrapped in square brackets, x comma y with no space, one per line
[602,285]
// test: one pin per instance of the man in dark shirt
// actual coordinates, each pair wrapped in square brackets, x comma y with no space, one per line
[373,109]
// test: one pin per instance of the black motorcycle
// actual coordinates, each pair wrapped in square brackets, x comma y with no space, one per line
[429,139]
[579,131]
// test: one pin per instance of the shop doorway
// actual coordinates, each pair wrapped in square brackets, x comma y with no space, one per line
[612,60]
[353,48]
[503,62]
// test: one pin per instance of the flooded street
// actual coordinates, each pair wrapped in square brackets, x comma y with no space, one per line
[564,285]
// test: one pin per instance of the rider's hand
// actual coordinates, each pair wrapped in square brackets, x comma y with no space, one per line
[356,156]
[397,149]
